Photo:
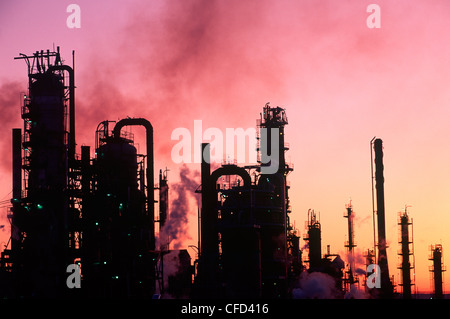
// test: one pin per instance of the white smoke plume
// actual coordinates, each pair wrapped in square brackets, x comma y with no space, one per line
[175,230]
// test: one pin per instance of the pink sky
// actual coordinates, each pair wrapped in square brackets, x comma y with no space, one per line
[220,61]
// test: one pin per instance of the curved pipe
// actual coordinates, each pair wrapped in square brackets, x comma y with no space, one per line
[209,219]
[150,162]
[209,243]
[229,170]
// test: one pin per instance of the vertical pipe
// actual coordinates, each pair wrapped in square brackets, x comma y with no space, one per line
[17,184]
[373,198]
[205,174]
[351,243]
[350,228]
[386,286]
[163,199]
[71,72]
[85,172]
[17,163]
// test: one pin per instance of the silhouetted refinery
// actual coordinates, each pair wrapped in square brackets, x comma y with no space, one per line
[86,227]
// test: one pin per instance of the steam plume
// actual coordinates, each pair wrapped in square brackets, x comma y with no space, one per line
[316,285]
[175,231]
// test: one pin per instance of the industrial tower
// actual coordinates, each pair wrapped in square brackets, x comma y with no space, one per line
[314,239]
[248,248]
[97,213]
[407,250]
[45,212]
[350,245]
[437,270]
[386,290]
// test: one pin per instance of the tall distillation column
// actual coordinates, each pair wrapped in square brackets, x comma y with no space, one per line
[41,215]
[406,241]
[437,269]
[350,245]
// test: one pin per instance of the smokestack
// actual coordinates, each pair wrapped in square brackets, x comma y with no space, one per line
[205,173]
[386,285]
[207,274]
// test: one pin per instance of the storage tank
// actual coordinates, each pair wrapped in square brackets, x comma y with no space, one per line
[117,168]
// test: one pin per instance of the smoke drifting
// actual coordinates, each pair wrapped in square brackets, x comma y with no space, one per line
[171,63]
[356,293]
[175,231]
[316,285]
[10,116]
[356,258]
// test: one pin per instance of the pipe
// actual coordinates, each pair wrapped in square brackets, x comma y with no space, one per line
[373,198]
[85,171]
[72,146]
[17,185]
[205,174]
[209,258]
[386,285]
[17,163]
[209,218]
[150,165]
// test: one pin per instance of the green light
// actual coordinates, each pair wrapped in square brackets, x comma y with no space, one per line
[120,206]
[108,195]
[39,206]
[96,223]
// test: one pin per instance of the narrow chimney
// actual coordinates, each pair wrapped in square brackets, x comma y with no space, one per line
[386,285]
